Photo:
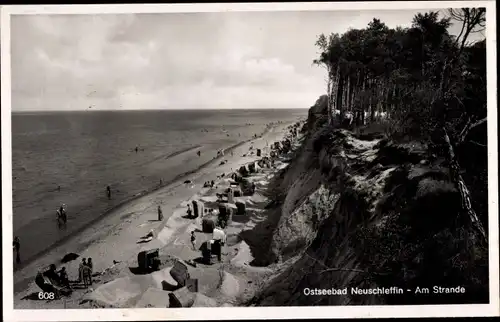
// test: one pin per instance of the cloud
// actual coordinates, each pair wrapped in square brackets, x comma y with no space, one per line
[192,60]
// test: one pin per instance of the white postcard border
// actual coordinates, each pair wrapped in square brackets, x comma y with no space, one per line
[492,309]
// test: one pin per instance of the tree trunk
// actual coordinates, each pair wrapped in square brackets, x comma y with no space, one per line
[373,100]
[462,188]
[329,102]
[340,91]
[351,96]
[346,94]
[334,91]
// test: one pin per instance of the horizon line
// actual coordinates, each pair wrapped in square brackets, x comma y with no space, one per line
[159,109]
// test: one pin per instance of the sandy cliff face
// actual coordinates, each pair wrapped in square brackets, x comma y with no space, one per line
[367,213]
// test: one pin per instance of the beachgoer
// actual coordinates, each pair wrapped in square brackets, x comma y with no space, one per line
[52,275]
[189,211]
[63,277]
[136,149]
[17,246]
[160,213]
[199,153]
[219,249]
[90,264]
[88,270]
[63,213]
[58,188]
[193,240]
[108,191]
[150,234]
[81,271]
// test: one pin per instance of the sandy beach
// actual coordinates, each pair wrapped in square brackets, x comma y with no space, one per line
[114,239]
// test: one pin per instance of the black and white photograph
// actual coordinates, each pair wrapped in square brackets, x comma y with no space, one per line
[323,160]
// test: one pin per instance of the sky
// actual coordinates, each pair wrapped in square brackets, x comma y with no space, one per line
[175,60]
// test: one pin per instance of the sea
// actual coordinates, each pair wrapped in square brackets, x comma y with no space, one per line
[71,157]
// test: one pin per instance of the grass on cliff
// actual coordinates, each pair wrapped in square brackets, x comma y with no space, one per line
[422,241]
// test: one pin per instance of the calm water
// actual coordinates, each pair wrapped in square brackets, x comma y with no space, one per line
[83,152]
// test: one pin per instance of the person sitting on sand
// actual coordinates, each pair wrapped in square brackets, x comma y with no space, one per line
[63,277]
[193,240]
[189,212]
[52,275]
[160,213]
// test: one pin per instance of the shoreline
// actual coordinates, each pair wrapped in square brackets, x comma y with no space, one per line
[23,282]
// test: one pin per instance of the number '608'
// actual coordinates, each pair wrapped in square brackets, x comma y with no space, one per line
[46,295]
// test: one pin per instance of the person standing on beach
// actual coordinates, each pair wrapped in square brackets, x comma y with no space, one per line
[189,211]
[136,149]
[199,153]
[17,246]
[61,215]
[89,270]
[81,277]
[193,240]
[160,213]
[108,191]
